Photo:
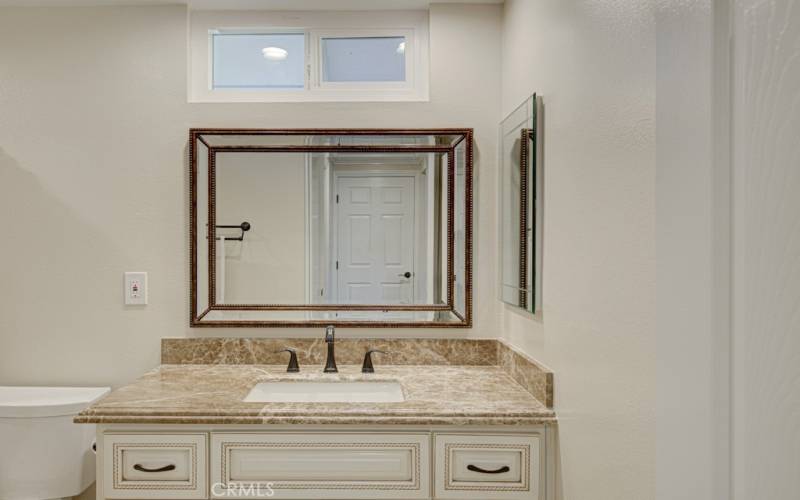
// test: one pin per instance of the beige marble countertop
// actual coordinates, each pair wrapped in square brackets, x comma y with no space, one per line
[213,394]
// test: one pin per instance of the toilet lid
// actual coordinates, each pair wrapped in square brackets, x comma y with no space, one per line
[27,402]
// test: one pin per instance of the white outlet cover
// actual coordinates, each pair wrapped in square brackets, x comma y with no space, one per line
[135,288]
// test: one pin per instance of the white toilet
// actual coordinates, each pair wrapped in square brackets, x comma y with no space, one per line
[43,455]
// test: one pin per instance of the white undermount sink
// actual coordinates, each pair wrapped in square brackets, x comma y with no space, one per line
[288,391]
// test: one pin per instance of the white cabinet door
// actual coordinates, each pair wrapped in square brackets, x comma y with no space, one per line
[487,467]
[330,466]
[375,233]
[164,466]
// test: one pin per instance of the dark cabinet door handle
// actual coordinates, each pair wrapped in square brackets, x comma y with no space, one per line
[142,468]
[475,468]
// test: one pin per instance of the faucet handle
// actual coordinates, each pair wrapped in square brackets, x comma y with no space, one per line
[367,367]
[294,366]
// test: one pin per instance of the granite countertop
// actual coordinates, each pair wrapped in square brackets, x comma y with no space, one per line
[213,394]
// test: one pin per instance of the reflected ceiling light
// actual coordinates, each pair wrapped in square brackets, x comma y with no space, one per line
[275,53]
[401,49]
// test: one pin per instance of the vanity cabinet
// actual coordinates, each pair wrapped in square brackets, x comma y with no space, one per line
[290,463]
[166,466]
[487,466]
[321,465]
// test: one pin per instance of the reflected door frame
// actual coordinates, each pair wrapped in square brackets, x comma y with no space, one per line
[420,186]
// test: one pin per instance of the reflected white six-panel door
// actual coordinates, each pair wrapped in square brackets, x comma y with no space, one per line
[375,233]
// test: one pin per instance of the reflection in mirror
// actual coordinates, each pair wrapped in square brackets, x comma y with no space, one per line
[521,215]
[330,228]
[293,228]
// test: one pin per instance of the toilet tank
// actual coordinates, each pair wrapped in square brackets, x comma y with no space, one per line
[44,454]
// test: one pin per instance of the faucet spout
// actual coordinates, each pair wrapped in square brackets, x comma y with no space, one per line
[330,337]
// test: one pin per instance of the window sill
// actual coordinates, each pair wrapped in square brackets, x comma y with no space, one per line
[305,97]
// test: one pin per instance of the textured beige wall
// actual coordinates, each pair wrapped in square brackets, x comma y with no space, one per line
[594,65]
[766,249]
[268,267]
[691,214]
[93,179]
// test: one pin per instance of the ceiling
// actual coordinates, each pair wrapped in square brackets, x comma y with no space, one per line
[253,4]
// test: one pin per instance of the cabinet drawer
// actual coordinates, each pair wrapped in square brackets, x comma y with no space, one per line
[487,466]
[154,466]
[343,466]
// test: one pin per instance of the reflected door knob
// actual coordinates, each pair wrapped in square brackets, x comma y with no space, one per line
[406,274]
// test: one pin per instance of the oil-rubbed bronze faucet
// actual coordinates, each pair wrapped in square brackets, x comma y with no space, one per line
[367,366]
[330,364]
[294,366]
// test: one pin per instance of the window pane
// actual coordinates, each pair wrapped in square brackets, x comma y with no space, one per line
[244,61]
[372,59]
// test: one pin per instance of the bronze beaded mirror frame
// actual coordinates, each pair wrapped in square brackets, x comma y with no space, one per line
[226,166]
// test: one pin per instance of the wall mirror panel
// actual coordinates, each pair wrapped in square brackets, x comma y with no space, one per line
[345,227]
[522,203]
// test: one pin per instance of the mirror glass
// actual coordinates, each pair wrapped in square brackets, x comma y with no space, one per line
[331,227]
[521,214]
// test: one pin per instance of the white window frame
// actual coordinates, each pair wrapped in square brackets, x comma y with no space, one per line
[413,25]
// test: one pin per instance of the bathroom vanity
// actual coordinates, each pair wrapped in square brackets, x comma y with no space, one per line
[356,228]
[467,427]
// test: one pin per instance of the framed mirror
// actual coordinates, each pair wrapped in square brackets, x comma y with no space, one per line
[522,203]
[350,227]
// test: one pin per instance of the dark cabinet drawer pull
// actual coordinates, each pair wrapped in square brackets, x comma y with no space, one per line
[475,468]
[142,468]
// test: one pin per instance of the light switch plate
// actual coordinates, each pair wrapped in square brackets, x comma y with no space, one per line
[135,289]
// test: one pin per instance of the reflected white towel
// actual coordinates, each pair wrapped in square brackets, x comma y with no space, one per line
[220,270]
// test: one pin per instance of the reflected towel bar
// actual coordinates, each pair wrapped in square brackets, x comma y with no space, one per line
[244,226]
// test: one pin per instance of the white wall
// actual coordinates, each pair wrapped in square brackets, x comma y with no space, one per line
[693,249]
[766,249]
[594,65]
[723,173]
[93,178]
[270,193]
[92,183]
